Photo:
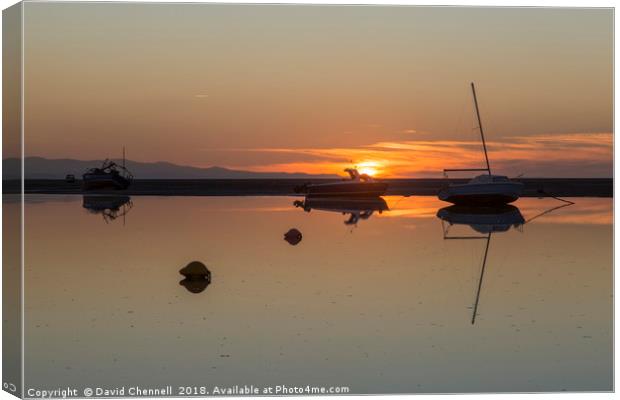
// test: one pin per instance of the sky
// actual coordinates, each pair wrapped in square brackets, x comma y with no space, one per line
[315,89]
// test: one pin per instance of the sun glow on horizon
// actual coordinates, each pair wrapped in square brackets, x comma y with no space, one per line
[370,168]
[544,155]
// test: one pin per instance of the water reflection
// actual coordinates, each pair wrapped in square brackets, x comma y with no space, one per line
[110,207]
[484,220]
[481,219]
[197,277]
[357,208]
[283,314]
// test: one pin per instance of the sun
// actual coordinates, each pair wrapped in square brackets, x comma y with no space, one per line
[370,168]
[368,171]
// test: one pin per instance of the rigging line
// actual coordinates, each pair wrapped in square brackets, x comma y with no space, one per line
[568,203]
[401,199]
[541,191]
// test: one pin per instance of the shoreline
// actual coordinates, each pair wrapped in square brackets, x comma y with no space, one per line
[534,187]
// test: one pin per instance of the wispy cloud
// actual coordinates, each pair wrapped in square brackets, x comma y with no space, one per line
[557,155]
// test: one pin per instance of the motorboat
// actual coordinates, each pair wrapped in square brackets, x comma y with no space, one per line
[482,190]
[357,208]
[357,185]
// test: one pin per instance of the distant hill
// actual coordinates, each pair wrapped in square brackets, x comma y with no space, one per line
[43,168]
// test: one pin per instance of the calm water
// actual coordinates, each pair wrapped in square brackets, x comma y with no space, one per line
[383,305]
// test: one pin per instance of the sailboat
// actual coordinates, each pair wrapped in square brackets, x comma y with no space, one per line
[486,189]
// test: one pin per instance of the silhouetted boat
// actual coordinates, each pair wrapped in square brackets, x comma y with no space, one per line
[485,190]
[110,207]
[109,176]
[357,207]
[358,185]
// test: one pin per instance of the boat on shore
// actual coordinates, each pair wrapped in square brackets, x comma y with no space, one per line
[482,190]
[358,185]
[110,176]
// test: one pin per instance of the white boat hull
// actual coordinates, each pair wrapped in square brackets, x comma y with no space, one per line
[491,193]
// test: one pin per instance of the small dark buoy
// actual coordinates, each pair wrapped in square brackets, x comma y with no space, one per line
[293,236]
[195,268]
[197,277]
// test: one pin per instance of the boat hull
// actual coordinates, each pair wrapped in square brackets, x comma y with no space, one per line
[489,194]
[347,190]
[102,182]
[97,204]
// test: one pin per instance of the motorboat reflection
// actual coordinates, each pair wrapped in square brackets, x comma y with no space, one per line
[110,207]
[197,277]
[357,208]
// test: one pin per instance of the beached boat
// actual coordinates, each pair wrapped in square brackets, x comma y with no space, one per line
[358,185]
[109,176]
[484,190]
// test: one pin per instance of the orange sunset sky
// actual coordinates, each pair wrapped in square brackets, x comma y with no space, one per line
[319,88]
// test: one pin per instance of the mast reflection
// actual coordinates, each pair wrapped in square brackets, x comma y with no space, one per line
[483,220]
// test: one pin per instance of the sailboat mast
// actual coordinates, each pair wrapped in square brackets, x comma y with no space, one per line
[484,145]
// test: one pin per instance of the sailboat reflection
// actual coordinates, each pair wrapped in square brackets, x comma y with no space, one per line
[197,277]
[358,208]
[484,220]
[110,207]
